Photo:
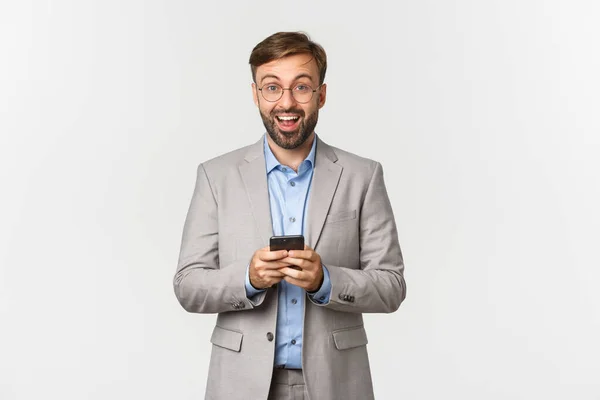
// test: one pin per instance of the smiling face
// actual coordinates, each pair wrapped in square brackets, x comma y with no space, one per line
[288,122]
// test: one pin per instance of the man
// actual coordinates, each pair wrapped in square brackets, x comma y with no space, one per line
[289,323]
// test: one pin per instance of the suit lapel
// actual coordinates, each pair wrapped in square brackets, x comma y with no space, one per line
[325,179]
[254,175]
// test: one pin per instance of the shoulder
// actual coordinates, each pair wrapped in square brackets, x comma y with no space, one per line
[223,164]
[231,158]
[354,163]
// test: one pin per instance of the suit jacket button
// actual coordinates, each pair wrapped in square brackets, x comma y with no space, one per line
[351,300]
[269,336]
[342,296]
[242,305]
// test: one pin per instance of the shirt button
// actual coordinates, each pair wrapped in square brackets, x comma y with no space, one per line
[292,183]
[294,301]
[269,336]
[293,341]
[322,298]
[292,219]
[284,169]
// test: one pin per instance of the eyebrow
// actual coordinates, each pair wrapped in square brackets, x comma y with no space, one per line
[303,75]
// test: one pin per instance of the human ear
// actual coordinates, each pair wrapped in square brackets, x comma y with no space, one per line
[322,95]
[255,94]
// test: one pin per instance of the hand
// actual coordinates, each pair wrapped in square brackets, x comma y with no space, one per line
[306,270]
[265,267]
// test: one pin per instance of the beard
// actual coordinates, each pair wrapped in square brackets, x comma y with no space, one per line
[290,139]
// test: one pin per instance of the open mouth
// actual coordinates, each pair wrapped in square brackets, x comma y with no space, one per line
[287,122]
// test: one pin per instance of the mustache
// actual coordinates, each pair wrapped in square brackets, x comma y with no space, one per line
[297,111]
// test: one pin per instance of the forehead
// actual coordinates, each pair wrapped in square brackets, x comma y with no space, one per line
[287,68]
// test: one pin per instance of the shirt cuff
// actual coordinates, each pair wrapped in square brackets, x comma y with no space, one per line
[251,291]
[324,293]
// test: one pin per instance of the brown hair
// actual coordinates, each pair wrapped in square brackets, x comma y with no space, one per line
[282,44]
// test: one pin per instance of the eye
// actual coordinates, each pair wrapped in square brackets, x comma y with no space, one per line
[302,88]
[271,88]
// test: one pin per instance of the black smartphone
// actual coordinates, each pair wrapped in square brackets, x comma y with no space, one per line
[291,242]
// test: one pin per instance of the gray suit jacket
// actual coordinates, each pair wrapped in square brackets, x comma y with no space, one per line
[349,223]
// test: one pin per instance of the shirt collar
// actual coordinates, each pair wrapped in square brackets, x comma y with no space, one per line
[272,162]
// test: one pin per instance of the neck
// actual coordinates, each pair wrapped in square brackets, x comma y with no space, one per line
[291,157]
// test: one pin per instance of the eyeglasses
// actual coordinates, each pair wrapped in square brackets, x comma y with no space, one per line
[302,93]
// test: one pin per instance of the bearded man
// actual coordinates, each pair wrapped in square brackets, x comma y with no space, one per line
[289,322]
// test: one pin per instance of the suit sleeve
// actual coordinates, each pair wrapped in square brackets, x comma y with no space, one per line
[378,286]
[201,284]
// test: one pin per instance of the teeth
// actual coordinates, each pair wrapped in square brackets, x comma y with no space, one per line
[287,118]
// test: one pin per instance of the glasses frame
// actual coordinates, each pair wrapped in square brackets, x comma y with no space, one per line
[290,89]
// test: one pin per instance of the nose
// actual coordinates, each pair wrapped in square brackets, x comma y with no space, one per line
[287,100]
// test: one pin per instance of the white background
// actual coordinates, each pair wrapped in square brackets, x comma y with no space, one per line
[484,114]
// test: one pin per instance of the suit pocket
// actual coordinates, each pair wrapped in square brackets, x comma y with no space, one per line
[341,216]
[227,338]
[350,337]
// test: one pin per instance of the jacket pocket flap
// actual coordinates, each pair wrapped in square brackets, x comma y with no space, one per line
[350,337]
[341,216]
[227,338]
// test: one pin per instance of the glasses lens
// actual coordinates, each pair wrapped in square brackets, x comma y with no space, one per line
[272,92]
[302,93]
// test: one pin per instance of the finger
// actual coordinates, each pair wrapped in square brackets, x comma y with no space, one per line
[298,262]
[300,253]
[272,255]
[267,278]
[292,273]
[304,254]
[273,264]
[272,273]
[294,281]
[308,248]
[270,282]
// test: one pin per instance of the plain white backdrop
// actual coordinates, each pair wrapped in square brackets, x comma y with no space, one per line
[484,115]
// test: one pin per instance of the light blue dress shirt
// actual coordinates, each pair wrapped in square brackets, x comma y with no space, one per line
[288,197]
